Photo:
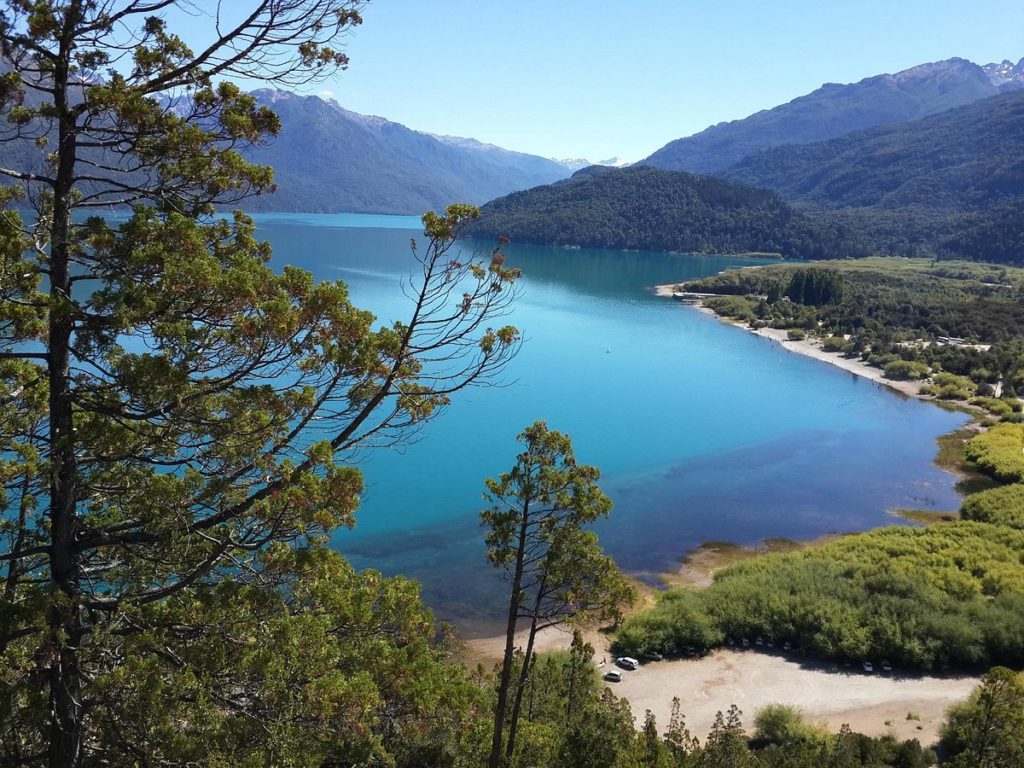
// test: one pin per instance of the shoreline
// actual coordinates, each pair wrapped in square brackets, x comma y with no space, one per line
[811,347]
[875,715]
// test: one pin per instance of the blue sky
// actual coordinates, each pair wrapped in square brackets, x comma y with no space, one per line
[577,78]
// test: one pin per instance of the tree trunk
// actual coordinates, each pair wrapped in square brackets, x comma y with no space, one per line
[65,621]
[572,687]
[524,674]
[510,640]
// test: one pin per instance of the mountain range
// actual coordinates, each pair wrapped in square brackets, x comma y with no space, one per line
[329,159]
[950,184]
[962,159]
[835,110]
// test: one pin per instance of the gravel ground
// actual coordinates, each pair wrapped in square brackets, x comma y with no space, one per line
[872,704]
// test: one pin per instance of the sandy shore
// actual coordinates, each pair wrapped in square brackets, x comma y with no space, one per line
[812,348]
[871,704]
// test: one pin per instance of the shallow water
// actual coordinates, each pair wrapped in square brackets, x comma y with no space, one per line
[702,431]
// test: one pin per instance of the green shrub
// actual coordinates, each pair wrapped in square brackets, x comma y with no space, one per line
[796,334]
[951,593]
[944,381]
[784,724]
[905,369]
[999,452]
[736,307]
[951,392]
[678,623]
[838,344]
[1003,506]
[882,360]
[993,405]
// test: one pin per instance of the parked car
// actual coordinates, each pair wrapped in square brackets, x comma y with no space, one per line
[787,646]
[652,656]
[613,676]
[759,642]
[886,667]
[869,668]
[627,662]
[745,642]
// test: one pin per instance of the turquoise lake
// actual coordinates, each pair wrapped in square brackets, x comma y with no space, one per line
[702,431]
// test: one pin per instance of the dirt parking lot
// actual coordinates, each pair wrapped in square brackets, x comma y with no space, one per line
[872,704]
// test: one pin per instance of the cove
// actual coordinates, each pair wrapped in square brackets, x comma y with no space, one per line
[702,431]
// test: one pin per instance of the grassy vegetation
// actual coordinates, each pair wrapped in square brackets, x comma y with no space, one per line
[926,516]
[922,597]
[1002,506]
[999,452]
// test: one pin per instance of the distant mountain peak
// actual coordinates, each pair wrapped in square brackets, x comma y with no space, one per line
[933,69]
[328,158]
[835,110]
[576,163]
[1006,74]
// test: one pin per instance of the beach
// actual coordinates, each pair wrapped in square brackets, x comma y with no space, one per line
[909,706]
[811,347]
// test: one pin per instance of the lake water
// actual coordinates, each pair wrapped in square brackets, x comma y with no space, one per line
[702,431]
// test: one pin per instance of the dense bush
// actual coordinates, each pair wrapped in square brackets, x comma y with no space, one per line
[732,306]
[1000,452]
[905,369]
[920,597]
[996,406]
[796,334]
[950,386]
[1003,505]
[836,344]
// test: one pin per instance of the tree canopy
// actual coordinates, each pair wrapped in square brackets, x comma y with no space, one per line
[177,420]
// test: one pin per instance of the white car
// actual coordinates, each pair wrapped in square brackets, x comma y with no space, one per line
[627,662]
[613,676]
[869,668]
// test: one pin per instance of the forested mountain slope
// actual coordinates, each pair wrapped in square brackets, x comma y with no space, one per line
[966,158]
[650,209]
[947,185]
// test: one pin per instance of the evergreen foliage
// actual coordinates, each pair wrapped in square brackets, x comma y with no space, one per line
[556,569]
[987,731]
[177,420]
[647,209]
[815,287]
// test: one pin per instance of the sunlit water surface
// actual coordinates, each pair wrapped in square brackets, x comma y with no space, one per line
[702,431]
